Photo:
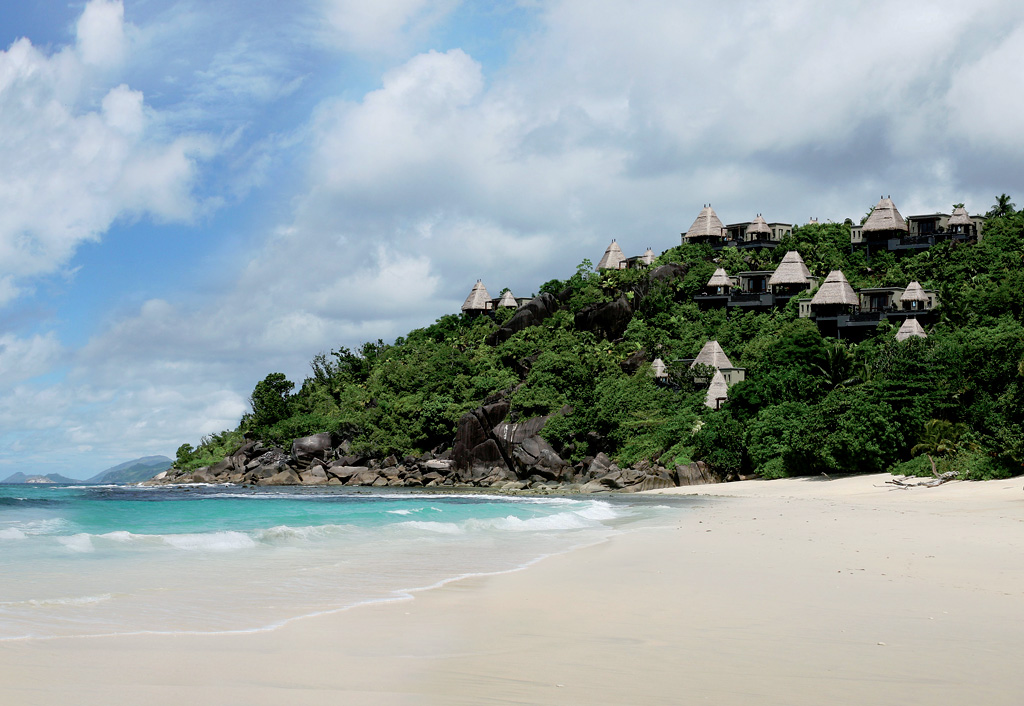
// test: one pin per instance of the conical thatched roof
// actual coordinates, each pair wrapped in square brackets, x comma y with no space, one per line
[648,257]
[909,329]
[885,217]
[717,390]
[613,258]
[835,290]
[914,293]
[719,279]
[707,224]
[478,299]
[757,226]
[791,270]
[507,300]
[960,217]
[659,369]
[712,354]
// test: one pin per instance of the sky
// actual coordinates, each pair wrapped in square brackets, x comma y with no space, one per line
[195,194]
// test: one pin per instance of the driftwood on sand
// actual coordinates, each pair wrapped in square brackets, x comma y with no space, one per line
[929,483]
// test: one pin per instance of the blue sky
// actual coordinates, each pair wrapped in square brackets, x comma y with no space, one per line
[195,194]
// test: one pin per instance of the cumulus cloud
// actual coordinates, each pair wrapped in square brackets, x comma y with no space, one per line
[101,33]
[72,167]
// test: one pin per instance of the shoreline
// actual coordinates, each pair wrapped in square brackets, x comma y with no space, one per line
[800,591]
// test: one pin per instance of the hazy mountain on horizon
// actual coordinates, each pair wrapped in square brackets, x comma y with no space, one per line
[134,471]
[20,477]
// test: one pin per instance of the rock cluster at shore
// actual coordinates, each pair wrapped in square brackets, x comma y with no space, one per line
[525,462]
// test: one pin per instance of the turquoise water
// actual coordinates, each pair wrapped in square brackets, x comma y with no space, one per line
[114,560]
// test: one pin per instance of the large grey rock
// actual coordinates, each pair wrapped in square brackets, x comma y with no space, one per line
[529,314]
[307,449]
[315,475]
[535,456]
[285,477]
[607,320]
[474,442]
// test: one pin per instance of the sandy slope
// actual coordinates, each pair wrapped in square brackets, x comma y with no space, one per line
[785,592]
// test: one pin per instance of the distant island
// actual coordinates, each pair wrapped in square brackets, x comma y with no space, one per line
[134,471]
[754,349]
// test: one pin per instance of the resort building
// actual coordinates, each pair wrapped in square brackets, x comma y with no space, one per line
[758,290]
[707,228]
[725,376]
[883,225]
[478,301]
[841,312]
[911,328]
[756,234]
[890,231]
[790,278]
[507,301]
[613,258]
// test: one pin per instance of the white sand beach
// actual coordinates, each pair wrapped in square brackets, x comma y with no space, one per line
[801,591]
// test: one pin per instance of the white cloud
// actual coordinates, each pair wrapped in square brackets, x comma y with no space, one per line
[71,168]
[381,27]
[24,358]
[100,32]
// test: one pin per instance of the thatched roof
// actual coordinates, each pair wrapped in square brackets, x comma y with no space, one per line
[648,257]
[707,224]
[791,270]
[914,293]
[960,217]
[718,389]
[613,258]
[835,290]
[478,299]
[885,217]
[507,300]
[712,354]
[758,225]
[719,279]
[659,369]
[909,329]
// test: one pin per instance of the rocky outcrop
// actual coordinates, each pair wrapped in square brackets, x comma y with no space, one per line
[489,453]
[529,314]
[608,320]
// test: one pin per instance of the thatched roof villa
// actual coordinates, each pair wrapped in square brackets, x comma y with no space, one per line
[507,301]
[707,228]
[911,328]
[613,258]
[885,228]
[835,292]
[718,391]
[479,300]
[659,369]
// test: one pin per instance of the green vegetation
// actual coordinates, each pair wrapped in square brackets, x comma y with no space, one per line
[809,405]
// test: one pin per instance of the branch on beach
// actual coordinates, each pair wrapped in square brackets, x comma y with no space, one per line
[930,483]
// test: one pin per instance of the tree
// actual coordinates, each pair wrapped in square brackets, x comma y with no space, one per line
[269,400]
[1003,207]
[940,438]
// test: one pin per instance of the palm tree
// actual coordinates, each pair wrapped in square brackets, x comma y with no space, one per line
[837,368]
[1003,207]
[940,438]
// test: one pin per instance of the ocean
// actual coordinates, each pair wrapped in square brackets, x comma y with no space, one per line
[104,560]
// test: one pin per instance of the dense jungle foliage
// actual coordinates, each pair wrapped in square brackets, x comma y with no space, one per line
[809,405]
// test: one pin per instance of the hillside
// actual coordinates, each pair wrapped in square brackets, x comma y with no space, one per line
[809,403]
[134,471]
